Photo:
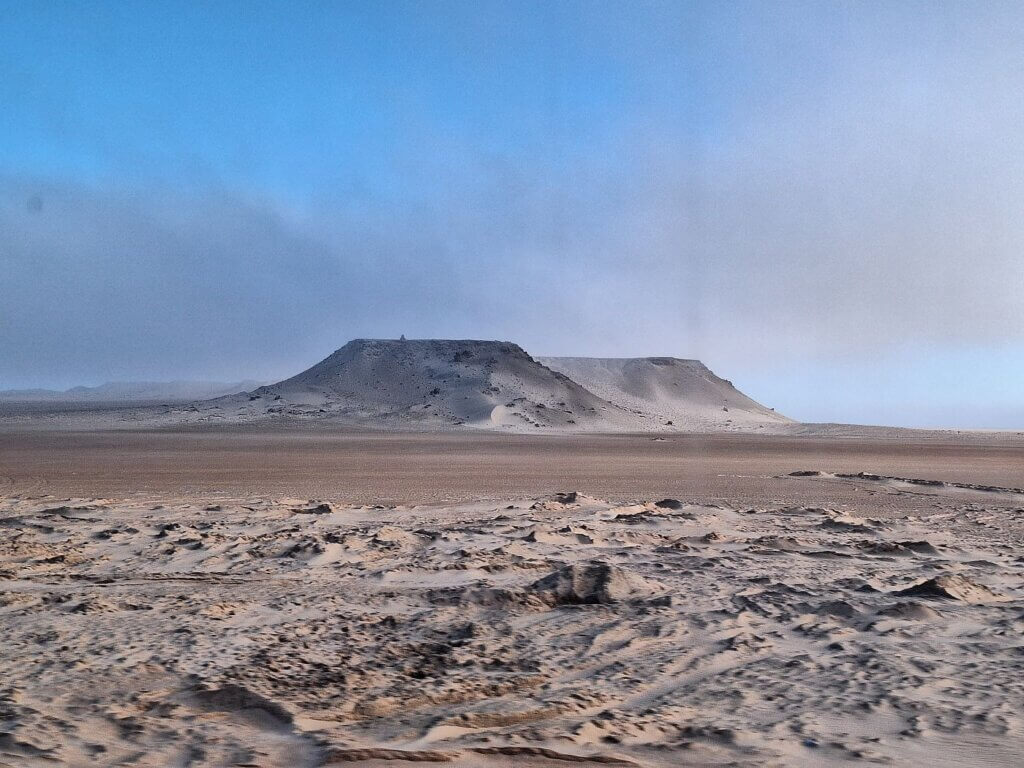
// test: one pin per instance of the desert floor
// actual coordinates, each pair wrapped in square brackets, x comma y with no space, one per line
[296,599]
[422,468]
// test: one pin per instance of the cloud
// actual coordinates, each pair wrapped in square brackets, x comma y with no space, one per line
[809,234]
[767,191]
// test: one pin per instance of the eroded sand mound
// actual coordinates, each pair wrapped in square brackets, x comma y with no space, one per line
[590,583]
[951,586]
[668,391]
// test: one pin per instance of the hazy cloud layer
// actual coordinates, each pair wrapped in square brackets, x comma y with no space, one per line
[819,196]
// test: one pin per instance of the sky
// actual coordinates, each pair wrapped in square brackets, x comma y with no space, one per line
[821,200]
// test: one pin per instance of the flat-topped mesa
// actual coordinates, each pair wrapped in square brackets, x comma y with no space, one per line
[338,368]
[677,392]
[441,381]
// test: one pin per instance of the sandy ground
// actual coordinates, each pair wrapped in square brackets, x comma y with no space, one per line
[295,599]
[420,468]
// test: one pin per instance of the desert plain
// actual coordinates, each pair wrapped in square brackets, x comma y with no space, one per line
[306,596]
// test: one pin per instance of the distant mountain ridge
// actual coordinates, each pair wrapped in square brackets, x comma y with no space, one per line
[133,391]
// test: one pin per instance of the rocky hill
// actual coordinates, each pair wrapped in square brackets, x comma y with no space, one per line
[439,382]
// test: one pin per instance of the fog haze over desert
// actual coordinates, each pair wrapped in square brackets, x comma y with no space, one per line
[819,204]
[511,384]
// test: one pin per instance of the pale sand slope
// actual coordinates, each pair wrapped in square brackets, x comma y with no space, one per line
[665,390]
[275,632]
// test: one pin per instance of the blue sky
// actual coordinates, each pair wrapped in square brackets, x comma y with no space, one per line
[821,200]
